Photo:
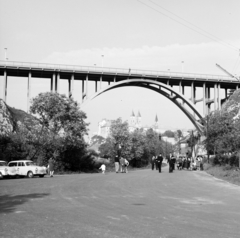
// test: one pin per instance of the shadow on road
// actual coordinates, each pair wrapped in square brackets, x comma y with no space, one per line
[9,203]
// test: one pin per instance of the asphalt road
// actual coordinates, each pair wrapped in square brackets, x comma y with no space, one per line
[142,203]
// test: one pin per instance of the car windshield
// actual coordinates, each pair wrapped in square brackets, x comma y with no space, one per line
[3,163]
[29,163]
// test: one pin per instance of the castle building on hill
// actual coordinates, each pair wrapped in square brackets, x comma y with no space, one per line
[104,128]
[134,122]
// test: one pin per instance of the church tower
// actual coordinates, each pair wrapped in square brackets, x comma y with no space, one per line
[155,126]
[132,122]
[139,120]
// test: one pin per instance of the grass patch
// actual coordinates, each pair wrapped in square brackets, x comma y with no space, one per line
[227,173]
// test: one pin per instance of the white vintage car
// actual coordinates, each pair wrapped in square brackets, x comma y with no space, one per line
[26,168]
[3,169]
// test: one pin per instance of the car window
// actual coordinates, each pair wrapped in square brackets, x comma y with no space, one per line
[29,163]
[21,164]
[3,163]
[13,164]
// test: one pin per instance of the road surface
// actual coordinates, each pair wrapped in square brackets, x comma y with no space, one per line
[142,203]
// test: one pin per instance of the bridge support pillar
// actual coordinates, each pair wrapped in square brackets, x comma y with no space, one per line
[57,83]
[29,90]
[5,86]
[95,86]
[181,90]
[219,97]
[215,97]
[53,80]
[71,86]
[225,92]
[180,87]
[83,90]
[86,86]
[208,97]
[193,94]
[204,99]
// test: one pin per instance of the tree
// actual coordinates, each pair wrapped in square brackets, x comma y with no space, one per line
[137,144]
[60,114]
[63,127]
[151,142]
[192,141]
[220,133]
[107,149]
[119,134]
[169,134]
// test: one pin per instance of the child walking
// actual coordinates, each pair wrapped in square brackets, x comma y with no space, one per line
[103,168]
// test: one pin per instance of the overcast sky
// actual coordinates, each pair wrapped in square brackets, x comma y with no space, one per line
[144,34]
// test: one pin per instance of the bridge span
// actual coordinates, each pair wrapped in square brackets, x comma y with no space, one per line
[159,81]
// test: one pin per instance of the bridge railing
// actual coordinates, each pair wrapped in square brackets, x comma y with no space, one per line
[95,69]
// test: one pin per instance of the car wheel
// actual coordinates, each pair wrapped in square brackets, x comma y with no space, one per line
[30,174]
[1,176]
[41,176]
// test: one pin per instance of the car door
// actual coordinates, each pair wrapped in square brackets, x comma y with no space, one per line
[21,169]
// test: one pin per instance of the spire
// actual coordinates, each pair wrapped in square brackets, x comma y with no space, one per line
[132,114]
[139,115]
[156,118]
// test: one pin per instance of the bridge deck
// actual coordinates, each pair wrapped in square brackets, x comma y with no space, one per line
[43,70]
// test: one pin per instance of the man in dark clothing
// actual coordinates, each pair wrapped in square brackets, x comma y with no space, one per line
[170,162]
[173,161]
[116,160]
[159,161]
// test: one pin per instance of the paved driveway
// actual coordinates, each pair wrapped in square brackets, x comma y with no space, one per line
[142,203]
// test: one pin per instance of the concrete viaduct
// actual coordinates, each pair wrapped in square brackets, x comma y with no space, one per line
[161,82]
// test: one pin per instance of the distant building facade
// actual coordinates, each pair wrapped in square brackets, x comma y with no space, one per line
[104,128]
[134,122]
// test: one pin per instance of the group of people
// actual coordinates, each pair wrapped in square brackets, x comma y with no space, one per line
[182,162]
[156,162]
[121,164]
[189,163]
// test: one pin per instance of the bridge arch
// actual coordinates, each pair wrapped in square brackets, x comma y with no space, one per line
[163,89]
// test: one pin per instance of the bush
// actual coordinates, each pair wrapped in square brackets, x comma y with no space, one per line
[233,160]
[221,159]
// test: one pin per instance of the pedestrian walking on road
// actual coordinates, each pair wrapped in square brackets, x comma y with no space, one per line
[170,162]
[116,161]
[122,165]
[51,167]
[153,161]
[159,161]
[126,165]
[103,168]
[173,161]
